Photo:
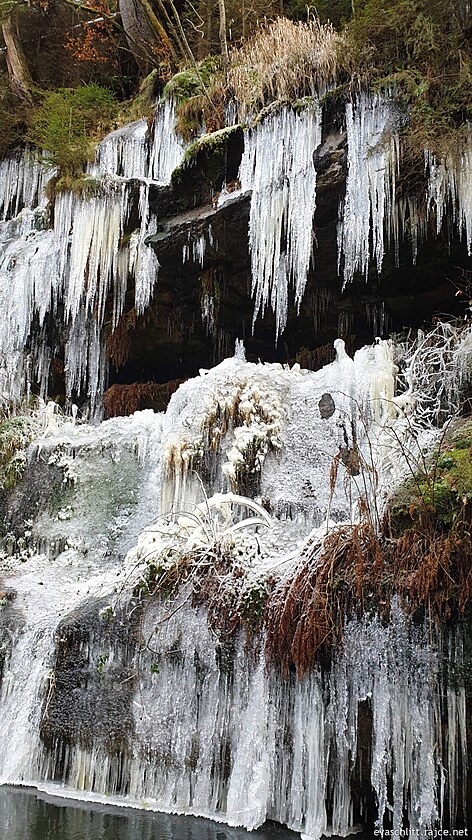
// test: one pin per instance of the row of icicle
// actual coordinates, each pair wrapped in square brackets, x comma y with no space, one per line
[65,272]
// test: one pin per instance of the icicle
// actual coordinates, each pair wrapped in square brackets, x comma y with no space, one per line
[450,180]
[277,165]
[167,147]
[143,262]
[23,180]
[124,153]
[406,219]
[27,269]
[83,259]
[289,747]
[97,227]
[24,685]
[195,247]
[135,152]
[371,123]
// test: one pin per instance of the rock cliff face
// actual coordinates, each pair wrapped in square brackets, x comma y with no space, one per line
[287,234]
[203,302]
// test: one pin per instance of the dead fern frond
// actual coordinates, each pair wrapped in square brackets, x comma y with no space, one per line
[121,400]
[305,615]
[118,342]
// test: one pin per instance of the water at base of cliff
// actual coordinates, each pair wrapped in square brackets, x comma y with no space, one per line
[29,814]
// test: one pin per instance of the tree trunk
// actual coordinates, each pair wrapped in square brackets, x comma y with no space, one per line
[21,82]
[143,32]
[223,39]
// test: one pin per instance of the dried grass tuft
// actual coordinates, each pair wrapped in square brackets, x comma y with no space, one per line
[284,61]
[118,342]
[434,572]
[359,571]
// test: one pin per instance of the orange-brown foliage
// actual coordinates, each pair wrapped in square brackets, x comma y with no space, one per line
[359,571]
[434,571]
[118,342]
[304,617]
[93,40]
[120,400]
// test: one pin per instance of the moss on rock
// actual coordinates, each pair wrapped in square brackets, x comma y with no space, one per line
[208,163]
[15,435]
[442,492]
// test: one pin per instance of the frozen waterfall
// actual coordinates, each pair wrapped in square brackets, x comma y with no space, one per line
[66,271]
[131,547]
[135,698]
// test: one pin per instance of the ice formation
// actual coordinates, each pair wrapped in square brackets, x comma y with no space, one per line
[195,247]
[137,151]
[75,264]
[372,139]
[277,166]
[187,722]
[186,711]
[450,185]
[184,721]
[372,215]
[23,181]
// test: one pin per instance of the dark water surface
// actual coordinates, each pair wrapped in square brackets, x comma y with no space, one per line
[26,814]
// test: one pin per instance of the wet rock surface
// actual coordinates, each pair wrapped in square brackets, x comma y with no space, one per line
[93,679]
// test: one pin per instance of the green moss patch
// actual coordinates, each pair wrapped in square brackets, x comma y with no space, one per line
[207,157]
[442,492]
[15,436]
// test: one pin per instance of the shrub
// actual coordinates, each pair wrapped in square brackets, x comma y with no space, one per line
[69,122]
[423,49]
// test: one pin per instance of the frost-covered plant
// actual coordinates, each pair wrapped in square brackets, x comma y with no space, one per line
[436,372]
[207,532]
[249,411]
[215,550]
[417,387]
